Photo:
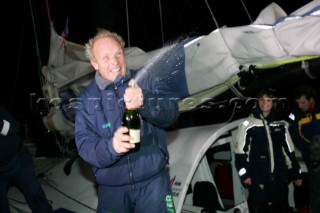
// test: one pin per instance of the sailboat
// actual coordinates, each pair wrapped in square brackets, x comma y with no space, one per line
[219,69]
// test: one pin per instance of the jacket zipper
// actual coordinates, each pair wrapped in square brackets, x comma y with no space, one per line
[130,173]
[128,158]
[270,145]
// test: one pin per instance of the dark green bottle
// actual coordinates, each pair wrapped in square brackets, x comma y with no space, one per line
[131,119]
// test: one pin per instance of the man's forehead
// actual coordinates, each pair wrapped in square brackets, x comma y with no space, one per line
[265,97]
[302,99]
[107,41]
[108,50]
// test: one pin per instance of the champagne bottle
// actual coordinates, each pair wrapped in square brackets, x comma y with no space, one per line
[131,119]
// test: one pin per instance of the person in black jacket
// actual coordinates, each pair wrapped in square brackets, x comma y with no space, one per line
[264,153]
[16,166]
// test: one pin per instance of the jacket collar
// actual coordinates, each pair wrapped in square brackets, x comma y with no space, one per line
[104,83]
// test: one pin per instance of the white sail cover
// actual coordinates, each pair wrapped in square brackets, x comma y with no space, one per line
[210,63]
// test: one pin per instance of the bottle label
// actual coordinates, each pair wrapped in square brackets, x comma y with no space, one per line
[135,134]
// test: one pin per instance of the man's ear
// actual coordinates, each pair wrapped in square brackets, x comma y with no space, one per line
[94,64]
[312,99]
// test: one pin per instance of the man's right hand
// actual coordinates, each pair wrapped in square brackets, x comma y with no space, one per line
[120,141]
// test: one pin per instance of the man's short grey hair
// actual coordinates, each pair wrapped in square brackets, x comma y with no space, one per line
[102,33]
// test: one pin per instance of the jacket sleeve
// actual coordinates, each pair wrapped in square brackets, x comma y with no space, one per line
[241,151]
[8,125]
[92,147]
[160,110]
[10,141]
[291,159]
[294,132]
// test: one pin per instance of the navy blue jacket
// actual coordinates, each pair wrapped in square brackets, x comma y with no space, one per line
[305,125]
[10,141]
[265,150]
[99,116]
[12,153]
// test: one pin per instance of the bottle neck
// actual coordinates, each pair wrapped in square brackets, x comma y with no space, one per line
[126,108]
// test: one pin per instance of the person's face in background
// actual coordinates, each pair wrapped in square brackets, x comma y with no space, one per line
[265,104]
[304,104]
[109,58]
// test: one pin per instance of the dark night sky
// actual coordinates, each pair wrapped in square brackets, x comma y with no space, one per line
[26,32]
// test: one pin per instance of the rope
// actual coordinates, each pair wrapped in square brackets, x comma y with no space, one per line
[128,27]
[12,97]
[48,11]
[214,19]
[305,67]
[162,35]
[41,78]
[245,8]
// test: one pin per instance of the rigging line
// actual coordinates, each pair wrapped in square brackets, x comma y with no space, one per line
[48,11]
[245,8]
[233,112]
[35,32]
[214,19]
[19,58]
[305,67]
[162,35]
[128,27]
[234,90]
[37,49]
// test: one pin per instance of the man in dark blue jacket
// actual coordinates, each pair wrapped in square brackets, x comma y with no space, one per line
[305,126]
[16,165]
[128,181]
